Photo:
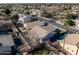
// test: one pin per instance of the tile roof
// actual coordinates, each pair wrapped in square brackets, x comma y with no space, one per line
[71,39]
[38,31]
[35,36]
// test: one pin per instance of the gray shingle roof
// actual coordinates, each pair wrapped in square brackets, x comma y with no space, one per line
[5,21]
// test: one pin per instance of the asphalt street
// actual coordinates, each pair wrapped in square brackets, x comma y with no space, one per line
[53,22]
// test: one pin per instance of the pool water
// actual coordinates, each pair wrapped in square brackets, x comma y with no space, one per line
[63,35]
[55,37]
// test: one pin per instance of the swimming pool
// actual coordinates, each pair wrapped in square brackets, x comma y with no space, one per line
[54,37]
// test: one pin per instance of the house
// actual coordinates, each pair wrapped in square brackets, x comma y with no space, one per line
[70,43]
[36,36]
[5,23]
[49,27]
[31,25]
[39,35]
[39,32]
[6,42]
[26,18]
[36,12]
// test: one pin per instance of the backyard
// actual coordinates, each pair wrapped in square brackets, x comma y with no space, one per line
[42,50]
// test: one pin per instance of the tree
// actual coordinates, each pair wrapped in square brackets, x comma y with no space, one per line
[26,8]
[71,16]
[68,16]
[63,8]
[27,12]
[49,15]
[15,16]
[7,11]
[46,14]
[67,23]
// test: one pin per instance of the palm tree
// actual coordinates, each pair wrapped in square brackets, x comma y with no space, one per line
[7,13]
[67,24]
[66,28]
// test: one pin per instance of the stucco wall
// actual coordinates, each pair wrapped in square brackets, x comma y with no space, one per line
[70,48]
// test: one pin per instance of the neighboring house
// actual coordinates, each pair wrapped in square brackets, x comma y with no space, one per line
[21,18]
[6,42]
[36,12]
[70,43]
[33,12]
[5,23]
[26,18]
